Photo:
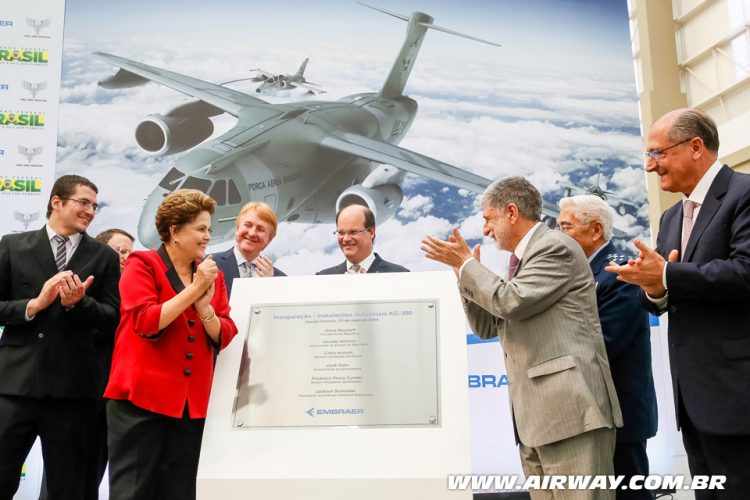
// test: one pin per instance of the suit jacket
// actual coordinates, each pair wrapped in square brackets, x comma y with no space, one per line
[546,318]
[627,337]
[378,266]
[228,264]
[53,355]
[163,371]
[709,307]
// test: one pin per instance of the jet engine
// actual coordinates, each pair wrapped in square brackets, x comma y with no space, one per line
[383,200]
[180,129]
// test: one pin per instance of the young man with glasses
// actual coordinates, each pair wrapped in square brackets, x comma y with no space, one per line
[58,290]
[355,233]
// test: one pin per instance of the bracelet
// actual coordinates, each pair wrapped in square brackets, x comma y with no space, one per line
[208,317]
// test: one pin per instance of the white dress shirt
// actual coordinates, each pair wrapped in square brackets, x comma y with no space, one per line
[364,265]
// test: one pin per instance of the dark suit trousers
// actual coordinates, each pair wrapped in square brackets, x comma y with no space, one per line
[63,427]
[631,460]
[711,454]
[151,456]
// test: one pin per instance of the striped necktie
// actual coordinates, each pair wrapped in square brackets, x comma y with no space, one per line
[60,252]
[357,269]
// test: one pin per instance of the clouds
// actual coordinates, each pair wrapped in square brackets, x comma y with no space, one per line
[482,114]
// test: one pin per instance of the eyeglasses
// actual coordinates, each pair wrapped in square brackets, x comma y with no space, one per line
[85,204]
[352,233]
[658,154]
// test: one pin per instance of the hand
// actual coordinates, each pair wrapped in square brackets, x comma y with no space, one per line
[453,252]
[50,292]
[646,270]
[72,290]
[203,304]
[205,274]
[263,266]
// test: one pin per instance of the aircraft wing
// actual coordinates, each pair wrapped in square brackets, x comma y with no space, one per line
[409,161]
[229,100]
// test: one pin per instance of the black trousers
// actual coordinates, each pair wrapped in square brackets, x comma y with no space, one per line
[151,456]
[711,454]
[63,426]
[96,461]
[630,459]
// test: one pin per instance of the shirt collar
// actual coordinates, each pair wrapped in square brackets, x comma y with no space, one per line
[521,247]
[701,189]
[598,251]
[239,257]
[74,238]
[365,264]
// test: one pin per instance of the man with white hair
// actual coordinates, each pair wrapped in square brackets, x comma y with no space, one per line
[625,325]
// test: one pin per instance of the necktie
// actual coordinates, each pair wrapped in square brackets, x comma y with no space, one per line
[357,269]
[246,270]
[60,253]
[513,266]
[688,209]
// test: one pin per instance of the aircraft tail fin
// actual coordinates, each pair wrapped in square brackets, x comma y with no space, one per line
[301,70]
[419,23]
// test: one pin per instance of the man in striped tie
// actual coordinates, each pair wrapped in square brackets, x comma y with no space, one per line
[58,290]
[699,274]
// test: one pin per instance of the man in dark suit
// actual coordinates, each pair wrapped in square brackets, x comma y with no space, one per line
[627,336]
[58,289]
[700,274]
[255,228]
[355,233]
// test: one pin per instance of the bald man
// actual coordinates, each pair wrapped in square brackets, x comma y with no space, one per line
[355,233]
[699,274]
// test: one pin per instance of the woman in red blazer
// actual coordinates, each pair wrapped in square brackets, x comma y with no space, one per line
[174,317]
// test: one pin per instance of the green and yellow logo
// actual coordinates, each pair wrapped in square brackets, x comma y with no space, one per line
[23,471]
[28,56]
[20,185]
[13,119]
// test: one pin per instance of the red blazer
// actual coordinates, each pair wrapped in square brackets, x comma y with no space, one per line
[162,371]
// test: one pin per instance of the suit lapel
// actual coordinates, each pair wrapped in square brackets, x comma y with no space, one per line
[43,253]
[375,264]
[710,206]
[231,267]
[82,252]
[601,258]
[538,232]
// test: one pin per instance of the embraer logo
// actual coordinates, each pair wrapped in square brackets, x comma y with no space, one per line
[34,88]
[38,24]
[335,411]
[30,153]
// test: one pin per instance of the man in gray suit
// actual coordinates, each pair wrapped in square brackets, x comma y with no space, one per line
[355,233]
[563,400]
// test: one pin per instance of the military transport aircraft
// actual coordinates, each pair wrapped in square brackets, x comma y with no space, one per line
[272,82]
[305,159]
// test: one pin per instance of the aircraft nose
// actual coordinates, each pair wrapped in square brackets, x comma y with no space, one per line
[147,234]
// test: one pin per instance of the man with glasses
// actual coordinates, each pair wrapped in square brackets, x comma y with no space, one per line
[58,290]
[355,233]
[627,335]
[699,274]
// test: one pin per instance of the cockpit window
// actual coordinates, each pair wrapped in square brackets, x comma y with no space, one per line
[172,179]
[196,183]
[234,194]
[219,192]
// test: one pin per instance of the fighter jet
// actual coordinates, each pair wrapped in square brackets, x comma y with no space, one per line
[305,159]
[621,205]
[272,82]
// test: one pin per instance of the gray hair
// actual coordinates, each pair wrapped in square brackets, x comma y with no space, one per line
[589,208]
[515,190]
[695,123]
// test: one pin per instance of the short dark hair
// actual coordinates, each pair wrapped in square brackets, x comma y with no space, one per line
[369,216]
[515,190]
[65,187]
[695,123]
[107,235]
[181,207]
